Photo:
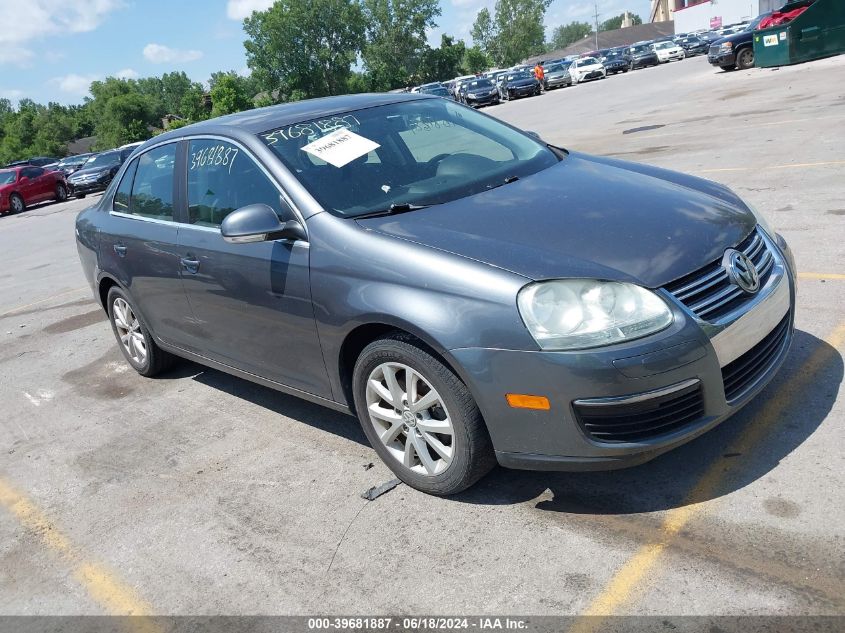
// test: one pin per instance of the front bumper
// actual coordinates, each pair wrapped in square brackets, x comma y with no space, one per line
[554,82]
[87,187]
[722,59]
[522,91]
[482,101]
[691,353]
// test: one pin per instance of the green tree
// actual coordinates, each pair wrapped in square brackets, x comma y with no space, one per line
[443,62]
[515,30]
[614,23]
[174,87]
[304,48]
[567,34]
[476,60]
[483,33]
[396,39]
[229,95]
[193,105]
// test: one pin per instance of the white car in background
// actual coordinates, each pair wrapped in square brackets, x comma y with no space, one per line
[667,51]
[585,69]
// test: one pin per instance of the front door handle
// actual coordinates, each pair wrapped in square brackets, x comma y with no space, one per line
[120,249]
[190,264]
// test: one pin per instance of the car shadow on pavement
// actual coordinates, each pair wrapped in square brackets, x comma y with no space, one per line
[319,417]
[670,481]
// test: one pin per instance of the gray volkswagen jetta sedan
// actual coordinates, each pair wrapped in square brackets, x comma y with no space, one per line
[473,294]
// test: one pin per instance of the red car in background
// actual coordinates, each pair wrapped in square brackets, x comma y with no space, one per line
[21,186]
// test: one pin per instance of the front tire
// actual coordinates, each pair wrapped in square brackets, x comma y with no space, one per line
[420,418]
[135,342]
[16,204]
[61,192]
[745,59]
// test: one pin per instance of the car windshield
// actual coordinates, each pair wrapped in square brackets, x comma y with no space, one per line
[103,160]
[421,152]
[518,76]
[555,68]
[636,50]
[440,91]
[588,61]
[663,45]
[481,84]
[756,22]
[8,177]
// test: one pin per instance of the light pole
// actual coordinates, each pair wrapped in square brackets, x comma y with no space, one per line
[597,24]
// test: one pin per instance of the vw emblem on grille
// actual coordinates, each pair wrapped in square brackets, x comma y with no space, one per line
[741,271]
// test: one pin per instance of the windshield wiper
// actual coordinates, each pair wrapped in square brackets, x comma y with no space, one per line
[508,180]
[394,209]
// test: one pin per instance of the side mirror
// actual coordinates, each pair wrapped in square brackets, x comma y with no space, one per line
[24,179]
[259,223]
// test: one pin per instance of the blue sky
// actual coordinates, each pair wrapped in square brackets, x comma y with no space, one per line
[51,50]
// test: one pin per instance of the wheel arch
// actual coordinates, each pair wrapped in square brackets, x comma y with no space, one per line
[365,333]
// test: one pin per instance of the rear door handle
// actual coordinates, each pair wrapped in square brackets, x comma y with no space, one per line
[190,264]
[120,249]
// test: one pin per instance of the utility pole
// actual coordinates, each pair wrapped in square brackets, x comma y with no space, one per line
[597,24]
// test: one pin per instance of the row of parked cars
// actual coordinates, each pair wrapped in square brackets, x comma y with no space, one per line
[499,85]
[42,178]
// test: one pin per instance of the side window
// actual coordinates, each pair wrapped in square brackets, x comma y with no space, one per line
[124,190]
[221,178]
[35,172]
[152,188]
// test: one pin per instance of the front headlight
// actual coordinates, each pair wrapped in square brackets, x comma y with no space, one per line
[570,314]
[726,46]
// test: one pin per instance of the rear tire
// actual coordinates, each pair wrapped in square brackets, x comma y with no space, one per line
[464,440]
[134,340]
[745,59]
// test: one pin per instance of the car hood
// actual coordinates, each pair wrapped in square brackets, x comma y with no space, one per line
[643,54]
[591,67]
[586,217]
[556,74]
[736,37]
[520,83]
[79,173]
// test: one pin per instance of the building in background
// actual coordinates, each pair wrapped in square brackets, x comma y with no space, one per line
[696,15]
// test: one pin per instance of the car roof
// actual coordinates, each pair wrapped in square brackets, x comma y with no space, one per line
[273,117]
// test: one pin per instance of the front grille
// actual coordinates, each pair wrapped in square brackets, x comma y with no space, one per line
[738,375]
[709,293]
[714,51]
[638,421]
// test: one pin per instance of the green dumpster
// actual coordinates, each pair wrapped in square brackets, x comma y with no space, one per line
[818,32]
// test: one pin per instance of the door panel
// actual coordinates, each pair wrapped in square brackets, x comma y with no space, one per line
[138,244]
[251,302]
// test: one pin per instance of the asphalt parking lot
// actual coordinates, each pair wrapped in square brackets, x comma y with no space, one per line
[199,493]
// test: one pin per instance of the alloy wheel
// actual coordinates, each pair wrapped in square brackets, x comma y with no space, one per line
[410,418]
[129,331]
[16,204]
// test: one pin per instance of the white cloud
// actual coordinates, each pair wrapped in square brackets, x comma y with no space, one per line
[240,9]
[74,84]
[160,54]
[126,73]
[27,20]
[16,55]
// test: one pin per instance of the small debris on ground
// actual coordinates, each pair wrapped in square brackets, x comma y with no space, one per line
[368,466]
[376,491]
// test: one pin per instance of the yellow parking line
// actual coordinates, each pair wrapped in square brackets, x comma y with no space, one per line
[40,301]
[821,276]
[116,597]
[790,166]
[626,581]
